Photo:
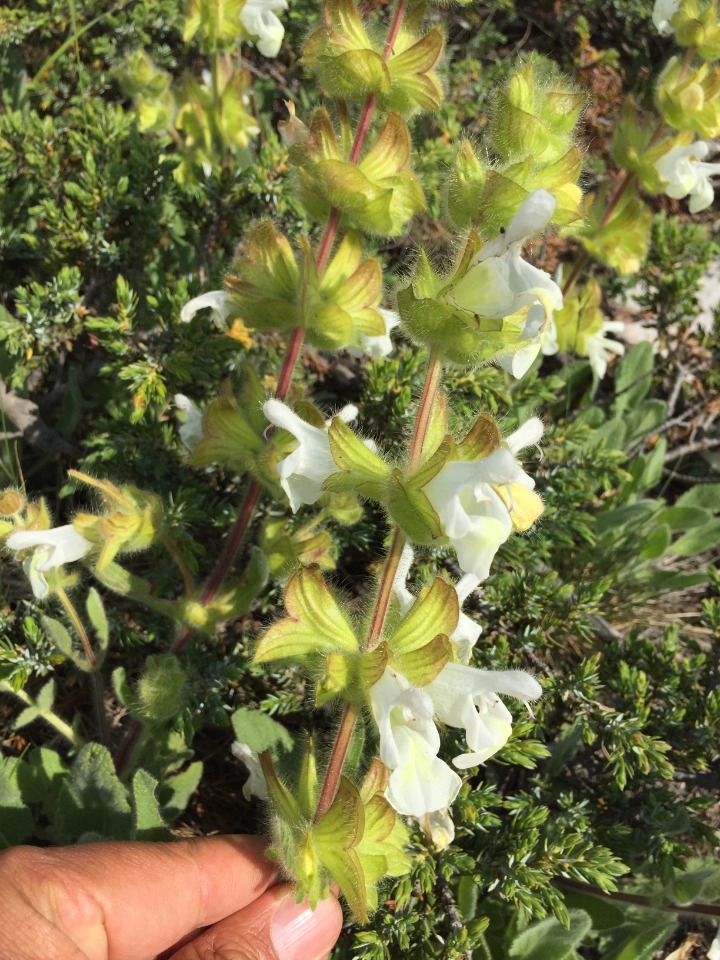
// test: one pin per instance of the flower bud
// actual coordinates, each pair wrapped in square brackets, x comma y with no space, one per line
[378,195]
[690,99]
[350,66]
[534,116]
[697,24]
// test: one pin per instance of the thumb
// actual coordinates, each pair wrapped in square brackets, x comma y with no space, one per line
[273,927]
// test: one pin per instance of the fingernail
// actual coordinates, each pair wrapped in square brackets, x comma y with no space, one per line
[299,933]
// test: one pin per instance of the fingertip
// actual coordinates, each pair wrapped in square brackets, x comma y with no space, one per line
[299,933]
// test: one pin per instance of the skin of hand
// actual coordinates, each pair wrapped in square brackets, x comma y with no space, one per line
[215,898]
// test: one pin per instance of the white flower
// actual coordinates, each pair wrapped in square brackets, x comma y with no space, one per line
[598,347]
[382,345]
[255,785]
[466,697]
[439,828]
[663,13]
[467,498]
[191,431]
[303,472]
[499,282]
[53,548]
[714,951]
[420,783]
[466,633]
[258,18]
[686,174]
[219,301]
[548,340]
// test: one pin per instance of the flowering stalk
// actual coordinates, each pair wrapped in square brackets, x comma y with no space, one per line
[385,589]
[295,342]
[627,180]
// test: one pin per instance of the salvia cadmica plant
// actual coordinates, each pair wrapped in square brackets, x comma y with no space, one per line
[401,661]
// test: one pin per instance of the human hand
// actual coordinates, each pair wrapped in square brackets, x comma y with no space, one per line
[214,898]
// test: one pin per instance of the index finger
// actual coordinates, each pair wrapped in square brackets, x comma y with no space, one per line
[132,900]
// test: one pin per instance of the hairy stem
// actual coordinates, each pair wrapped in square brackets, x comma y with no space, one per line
[96,684]
[382,602]
[172,549]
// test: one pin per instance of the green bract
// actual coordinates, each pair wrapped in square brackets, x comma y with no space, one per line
[215,22]
[351,66]
[637,149]
[623,241]
[377,195]
[697,24]
[273,290]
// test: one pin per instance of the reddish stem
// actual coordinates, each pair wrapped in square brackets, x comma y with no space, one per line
[337,759]
[425,410]
[394,29]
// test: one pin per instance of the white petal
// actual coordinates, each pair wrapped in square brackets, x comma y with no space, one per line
[258,18]
[519,361]
[255,785]
[191,431]
[219,301]
[533,217]
[422,783]
[663,12]
[702,196]
[33,569]
[65,544]
[527,435]
[404,596]
[304,470]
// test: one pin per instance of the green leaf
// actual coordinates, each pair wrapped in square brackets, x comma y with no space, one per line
[698,539]
[46,698]
[60,637]
[260,732]
[646,418]
[148,820]
[41,775]
[16,821]
[550,940]
[605,915]
[422,666]
[682,518]
[657,543]
[96,614]
[284,803]
[639,939]
[25,716]
[634,377]
[92,800]
[335,836]
[176,791]
[705,495]
[161,689]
